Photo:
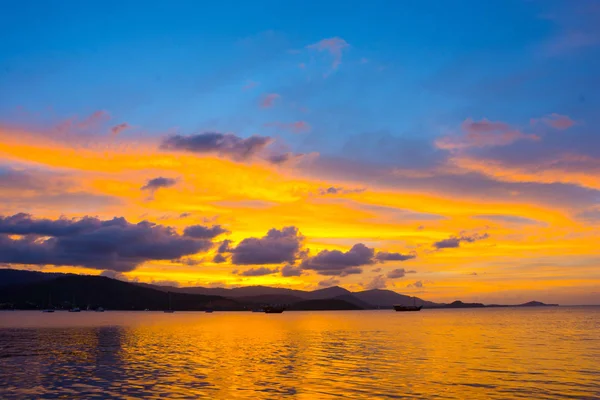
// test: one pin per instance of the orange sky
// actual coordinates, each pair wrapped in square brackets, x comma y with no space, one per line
[527,250]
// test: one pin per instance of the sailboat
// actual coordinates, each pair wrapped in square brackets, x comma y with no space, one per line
[73,308]
[170,310]
[414,307]
[49,309]
[209,309]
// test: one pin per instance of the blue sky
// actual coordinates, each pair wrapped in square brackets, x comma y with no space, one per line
[410,68]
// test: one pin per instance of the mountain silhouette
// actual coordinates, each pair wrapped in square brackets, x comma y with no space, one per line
[33,290]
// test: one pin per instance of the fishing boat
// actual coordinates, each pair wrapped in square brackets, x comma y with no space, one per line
[399,307]
[273,309]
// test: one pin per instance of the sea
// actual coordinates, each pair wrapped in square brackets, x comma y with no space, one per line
[496,353]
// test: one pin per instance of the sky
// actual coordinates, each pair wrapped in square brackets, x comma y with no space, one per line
[446,150]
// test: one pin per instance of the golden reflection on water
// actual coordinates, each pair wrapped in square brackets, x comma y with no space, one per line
[460,354]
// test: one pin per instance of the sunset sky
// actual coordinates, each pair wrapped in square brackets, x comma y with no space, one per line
[448,150]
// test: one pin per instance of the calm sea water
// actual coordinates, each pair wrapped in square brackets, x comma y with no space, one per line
[452,354]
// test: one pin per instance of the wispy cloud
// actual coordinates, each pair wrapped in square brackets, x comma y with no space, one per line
[269,100]
[483,133]
[334,46]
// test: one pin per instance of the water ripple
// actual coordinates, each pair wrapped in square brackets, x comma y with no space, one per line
[443,354]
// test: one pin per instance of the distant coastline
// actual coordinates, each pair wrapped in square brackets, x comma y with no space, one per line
[28,290]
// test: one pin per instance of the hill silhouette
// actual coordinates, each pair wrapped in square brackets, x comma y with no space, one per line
[31,290]
[98,291]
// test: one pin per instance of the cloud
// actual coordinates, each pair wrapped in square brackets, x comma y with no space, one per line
[295,127]
[115,130]
[568,42]
[223,144]
[416,284]
[88,125]
[378,282]
[285,158]
[277,246]
[333,190]
[224,246]
[329,282]
[219,258]
[204,232]
[376,270]
[334,46]
[269,99]
[158,183]
[250,85]
[398,273]
[556,121]
[90,242]
[483,133]
[385,256]
[258,271]
[511,219]
[455,241]
[590,215]
[290,270]
[335,262]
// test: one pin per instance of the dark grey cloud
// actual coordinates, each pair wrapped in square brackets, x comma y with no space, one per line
[219,258]
[204,232]
[398,273]
[277,246]
[158,183]
[385,256]
[335,262]
[455,241]
[224,144]
[258,271]
[224,246]
[90,242]
[376,270]
[290,270]
[416,284]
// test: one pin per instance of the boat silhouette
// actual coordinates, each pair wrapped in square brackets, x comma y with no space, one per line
[273,309]
[399,307]
[170,310]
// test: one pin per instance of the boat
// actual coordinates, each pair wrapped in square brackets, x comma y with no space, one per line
[399,307]
[170,310]
[49,309]
[210,308]
[99,309]
[74,308]
[273,309]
